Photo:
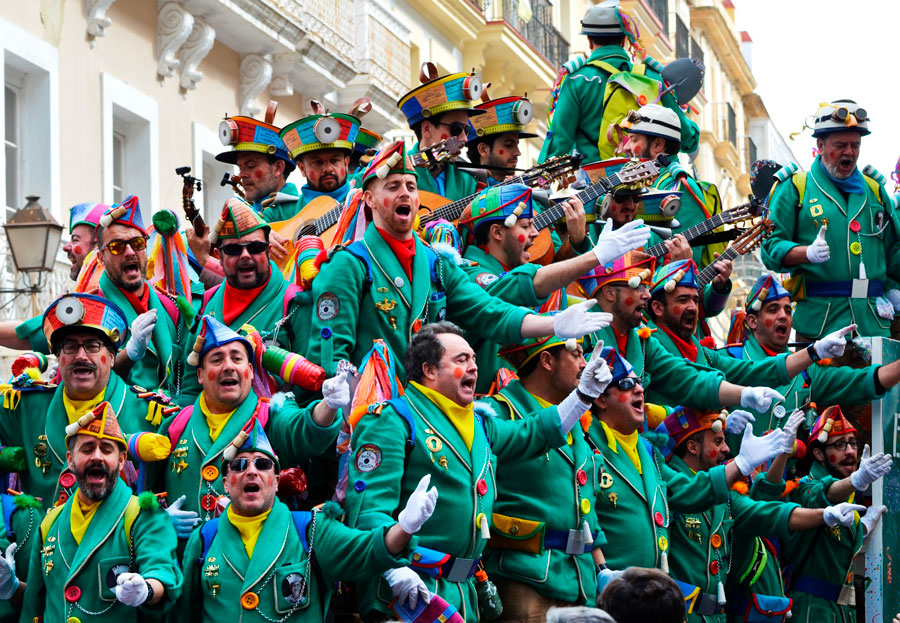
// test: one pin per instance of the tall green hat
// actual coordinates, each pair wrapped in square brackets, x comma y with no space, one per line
[238,219]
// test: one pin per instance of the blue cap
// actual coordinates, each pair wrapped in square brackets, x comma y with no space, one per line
[618,365]
[216,334]
[86,214]
[126,213]
[764,290]
[675,274]
[251,438]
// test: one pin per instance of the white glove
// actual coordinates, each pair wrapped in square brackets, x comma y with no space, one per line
[406,585]
[131,589]
[893,295]
[818,251]
[605,577]
[790,430]
[183,520]
[841,514]
[594,379]
[577,321]
[832,345]
[141,332]
[9,583]
[336,391]
[737,420]
[870,469]
[873,514]
[759,399]
[612,245]
[757,450]
[419,506]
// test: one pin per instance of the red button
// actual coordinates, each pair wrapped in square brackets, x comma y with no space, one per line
[208,502]
[854,226]
[67,480]
[481,486]
[658,518]
[714,567]
[581,476]
[73,593]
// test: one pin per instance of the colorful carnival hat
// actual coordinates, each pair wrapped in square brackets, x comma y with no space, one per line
[246,134]
[214,334]
[502,115]
[634,268]
[251,438]
[654,120]
[618,365]
[685,422]
[321,130]
[99,422]
[602,19]
[86,214]
[73,312]
[659,207]
[831,423]
[520,354]
[126,213]
[681,273]
[764,290]
[366,140]
[506,203]
[440,94]
[238,219]
[840,116]
[391,159]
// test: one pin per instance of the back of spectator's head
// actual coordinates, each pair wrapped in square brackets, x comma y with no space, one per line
[641,595]
[578,614]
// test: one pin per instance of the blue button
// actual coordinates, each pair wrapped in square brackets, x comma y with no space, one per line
[360,486]
[326,333]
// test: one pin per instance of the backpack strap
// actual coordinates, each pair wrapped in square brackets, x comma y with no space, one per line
[301,523]
[402,409]
[9,507]
[359,250]
[207,297]
[49,519]
[132,510]
[605,67]
[207,534]
[289,294]
[176,428]
[433,266]
[170,306]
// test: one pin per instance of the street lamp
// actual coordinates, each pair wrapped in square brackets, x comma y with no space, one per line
[33,236]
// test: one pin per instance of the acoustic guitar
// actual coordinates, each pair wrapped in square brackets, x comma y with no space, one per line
[743,244]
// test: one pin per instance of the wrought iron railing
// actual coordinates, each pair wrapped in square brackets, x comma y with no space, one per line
[539,30]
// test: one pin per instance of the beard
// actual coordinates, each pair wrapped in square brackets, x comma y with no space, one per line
[96,492]
[832,170]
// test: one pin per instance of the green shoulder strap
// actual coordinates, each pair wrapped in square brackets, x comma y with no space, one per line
[132,510]
[875,187]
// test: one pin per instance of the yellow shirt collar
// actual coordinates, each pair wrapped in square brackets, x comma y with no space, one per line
[248,527]
[76,408]
[81,517]
[627,442]
[462,418]
[215,421]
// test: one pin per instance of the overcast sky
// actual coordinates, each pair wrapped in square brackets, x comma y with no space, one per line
[811,51]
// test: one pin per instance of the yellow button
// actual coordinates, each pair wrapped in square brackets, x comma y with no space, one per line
[585,506]
[855,248]
[478,519]
[210,473]
[716,541]
[250,600]
[69,620]
[663,544]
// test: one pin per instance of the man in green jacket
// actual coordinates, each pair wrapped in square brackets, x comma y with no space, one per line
[579,109]
[434,428]
[389,284]
[673,309]
[834,210]
[85,332]
[104,553]
[228,404]
[702,543]
[764,334]
[18,527]
[502,221]
[436,110]
[259,557]
[541,552]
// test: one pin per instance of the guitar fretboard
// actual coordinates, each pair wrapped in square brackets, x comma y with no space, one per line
[555,213]
[709,272]
[659,250]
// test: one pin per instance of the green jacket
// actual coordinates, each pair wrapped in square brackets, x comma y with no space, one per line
[832,384]
[159,366]
[694,384]
[553,505]
[457,183]
[637,533]
[695,559]
[349,311]
[21,530]
[288,210]
[215,585]
[194,466]
[515,286]
[38,420]
[385,469]
[797,223]
[579,109]
[59,566]
[768,372]
[265,314]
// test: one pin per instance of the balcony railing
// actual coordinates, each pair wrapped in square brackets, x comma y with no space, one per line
[661,8]
[539,30]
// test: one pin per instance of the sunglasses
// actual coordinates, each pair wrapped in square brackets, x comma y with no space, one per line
[117,247]
[456,128]
[626,197]
[261,463]
[627,384]
[235,249]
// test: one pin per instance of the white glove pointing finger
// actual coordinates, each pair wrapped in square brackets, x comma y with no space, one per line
[141,333]
[131,589]
[9,583]
[406,585]
[818,252]
[757,450]
[833,344]
[419,506]
[873,514]
[614,244]
[841,514]
[870,469]
[577,321]
[759,399]
[336,391]
[737,420]
[790,430]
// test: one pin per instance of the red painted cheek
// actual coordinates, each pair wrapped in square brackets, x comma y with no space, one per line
[768,323]
[76,250]
[257,174]
[712,454]
[444,136]
[458,373]
[415,202]
[833,458]
[210,376]
[386,203]
[501,152]
[677,309]
[623,398]
[103,359]
[521,237]
[629,301]
[247,373]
